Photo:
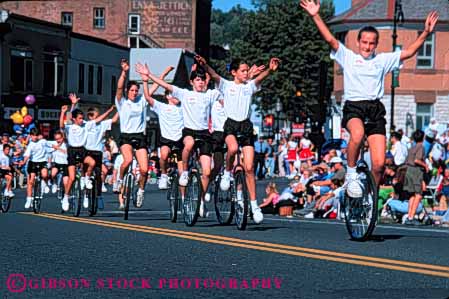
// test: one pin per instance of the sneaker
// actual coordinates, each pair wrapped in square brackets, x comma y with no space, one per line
[353,186]
[103,188]
[240,198]
[225,182]
[86,202]
[203,210]
[10,194]
[309,216]
[28,202]
[140,197]
[184,179]
[100,203]
[54,188]
[207,197]
[5,193]
[121,207]
[257,215]
[115,186]
[65,203]
[88,183]
[163,182]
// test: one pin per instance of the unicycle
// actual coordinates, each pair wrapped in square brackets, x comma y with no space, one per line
[361,213]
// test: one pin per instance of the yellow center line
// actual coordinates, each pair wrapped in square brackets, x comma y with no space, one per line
[277,248]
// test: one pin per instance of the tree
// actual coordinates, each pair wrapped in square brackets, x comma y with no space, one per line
[282,29]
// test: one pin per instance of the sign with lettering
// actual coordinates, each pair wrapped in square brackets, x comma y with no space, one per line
[297,130]
[8,111]
[165,18]
[49,114]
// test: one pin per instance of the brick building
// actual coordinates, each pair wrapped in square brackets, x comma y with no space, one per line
[131,23]
[424,80]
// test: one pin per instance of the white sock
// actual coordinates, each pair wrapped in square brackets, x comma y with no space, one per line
[254,205]
[227,172]
[351,170]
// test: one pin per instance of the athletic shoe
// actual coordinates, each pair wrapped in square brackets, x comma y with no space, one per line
[54,188]
[28,202]
[140,197]
[121,207]
[184,178]
[353,186]
[103,188]
[203,210]
[10,194]
[88,182]
[115,187]
[207,197]
[86,202]
[257,215]
[310,216]
[5,193]
[65,203]
[225,182]
[163,182]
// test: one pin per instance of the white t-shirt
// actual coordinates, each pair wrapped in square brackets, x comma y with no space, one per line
[4,161]
[400,152]
[292,145]
[170,120]
[132,114]
[237,98]
[218,116]
[364,78]
[37,151]
[305,143]
[95,132]
[196,106]
[58,156]
[76,135]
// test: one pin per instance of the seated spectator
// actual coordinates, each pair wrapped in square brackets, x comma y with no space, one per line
[329,202]
[337,171]
[332,153]
[443,196]
[398,205]
[414,175]
[268,205]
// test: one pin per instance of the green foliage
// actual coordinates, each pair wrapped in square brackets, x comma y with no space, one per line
[280,29]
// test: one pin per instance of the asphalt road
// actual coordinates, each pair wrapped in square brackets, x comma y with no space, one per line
[54,255]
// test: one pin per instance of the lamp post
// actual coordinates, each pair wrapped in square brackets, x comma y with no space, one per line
[278,109]
[398,17]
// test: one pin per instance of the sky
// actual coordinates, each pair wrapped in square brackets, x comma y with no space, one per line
[225,5]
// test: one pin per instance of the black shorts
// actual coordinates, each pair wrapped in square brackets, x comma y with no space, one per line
[218,142]
[75,155]
[137,141]
[372,113]
[97,156]
[35,167]
[203,140]
[243,128]
[62,168]
[174,146]
[4,172]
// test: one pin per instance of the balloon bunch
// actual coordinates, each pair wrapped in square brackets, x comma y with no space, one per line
[23,122]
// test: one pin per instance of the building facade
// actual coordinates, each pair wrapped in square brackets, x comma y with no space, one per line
[423,90]
[48,60]
[130,23]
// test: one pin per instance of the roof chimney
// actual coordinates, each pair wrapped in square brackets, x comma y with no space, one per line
[354,3]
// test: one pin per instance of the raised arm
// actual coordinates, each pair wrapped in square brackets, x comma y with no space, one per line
[255,70]
[430,23]
[202,61]
[61,117]
[74,99]
[121,81]
[313,10]
[164,74]
[115,118]
[104,115]
[274,64]
[144,70]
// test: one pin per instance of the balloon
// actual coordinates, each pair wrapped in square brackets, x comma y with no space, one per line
[28,119]
[17,118]
[30,99]
[17,129]
[24,111]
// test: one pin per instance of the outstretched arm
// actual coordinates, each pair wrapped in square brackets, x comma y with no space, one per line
[274,64]
[61,117]
[74,99]
[145,71]
[208,69]
[115,118]
[104,115]
[121,81]
[430,23]
[164,74]
[313,9]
